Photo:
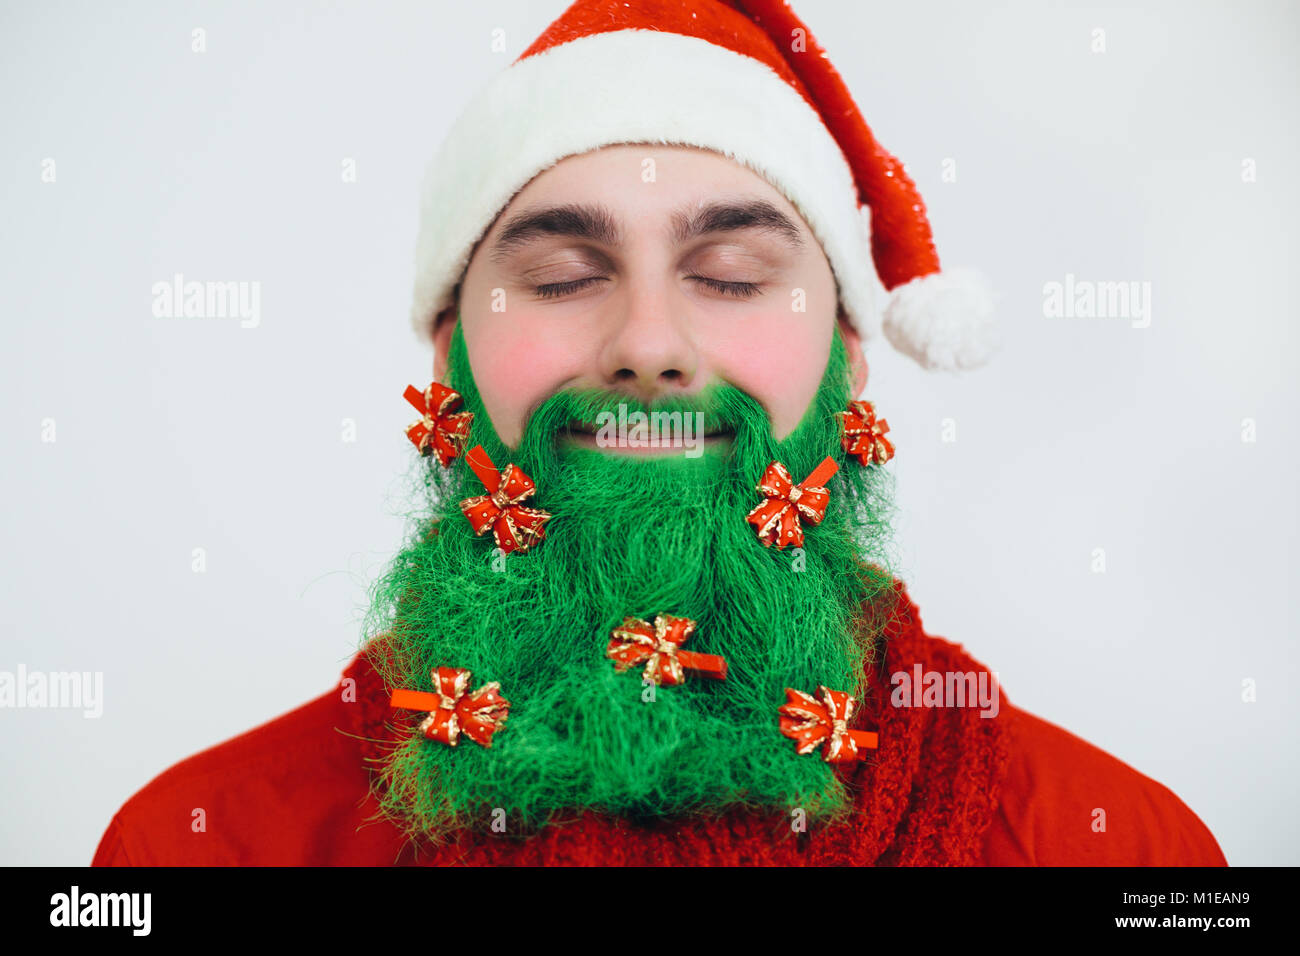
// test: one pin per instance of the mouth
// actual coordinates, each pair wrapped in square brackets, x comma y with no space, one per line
[584,435]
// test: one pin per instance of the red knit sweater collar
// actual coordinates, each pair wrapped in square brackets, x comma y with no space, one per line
[925,797]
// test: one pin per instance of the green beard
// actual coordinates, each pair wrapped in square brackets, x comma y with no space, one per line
[639,537]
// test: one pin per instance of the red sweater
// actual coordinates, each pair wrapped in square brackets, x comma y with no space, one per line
[946,786]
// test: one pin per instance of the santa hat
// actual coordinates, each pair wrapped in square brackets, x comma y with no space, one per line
[744,78]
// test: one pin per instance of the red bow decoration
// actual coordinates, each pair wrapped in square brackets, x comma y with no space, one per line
[658,646]
[515,527]
[811,722]
[442,430]
[864,434]
[777,519]
[452,712]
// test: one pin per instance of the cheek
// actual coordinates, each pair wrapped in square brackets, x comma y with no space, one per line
[779,359]
[515,369]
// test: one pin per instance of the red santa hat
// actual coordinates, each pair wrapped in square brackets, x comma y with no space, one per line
[744,78]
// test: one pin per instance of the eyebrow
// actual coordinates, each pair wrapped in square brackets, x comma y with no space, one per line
[595,223]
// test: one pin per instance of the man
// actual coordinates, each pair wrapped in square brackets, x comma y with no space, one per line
[646,615]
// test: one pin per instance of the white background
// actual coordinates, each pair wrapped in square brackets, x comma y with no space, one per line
[177,434]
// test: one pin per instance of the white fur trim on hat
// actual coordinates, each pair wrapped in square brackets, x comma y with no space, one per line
[636,86]
[944,320]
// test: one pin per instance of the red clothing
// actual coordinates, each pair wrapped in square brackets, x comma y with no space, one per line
[1014,790]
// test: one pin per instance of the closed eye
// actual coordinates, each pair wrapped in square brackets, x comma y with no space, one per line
[557,289]
[739,290]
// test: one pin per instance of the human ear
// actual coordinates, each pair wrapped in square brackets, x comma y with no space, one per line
[443,327]
[857,360]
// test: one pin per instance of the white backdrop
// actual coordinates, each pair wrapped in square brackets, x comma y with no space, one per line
[128,157]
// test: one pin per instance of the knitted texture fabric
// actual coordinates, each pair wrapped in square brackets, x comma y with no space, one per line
[925,797]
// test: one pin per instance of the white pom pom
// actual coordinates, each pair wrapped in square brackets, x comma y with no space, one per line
[944,320]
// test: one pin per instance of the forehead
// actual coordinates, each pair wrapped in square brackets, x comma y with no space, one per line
[637,182]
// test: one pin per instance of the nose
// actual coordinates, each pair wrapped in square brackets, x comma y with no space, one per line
[649,350]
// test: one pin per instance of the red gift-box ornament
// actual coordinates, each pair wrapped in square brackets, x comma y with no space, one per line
[777,520]
[811,723]
[515,527]
[453,712]
[441,430]
[658,646]
[864,434]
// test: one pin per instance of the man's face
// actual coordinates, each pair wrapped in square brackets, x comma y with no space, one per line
[635,292]
[651,270]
